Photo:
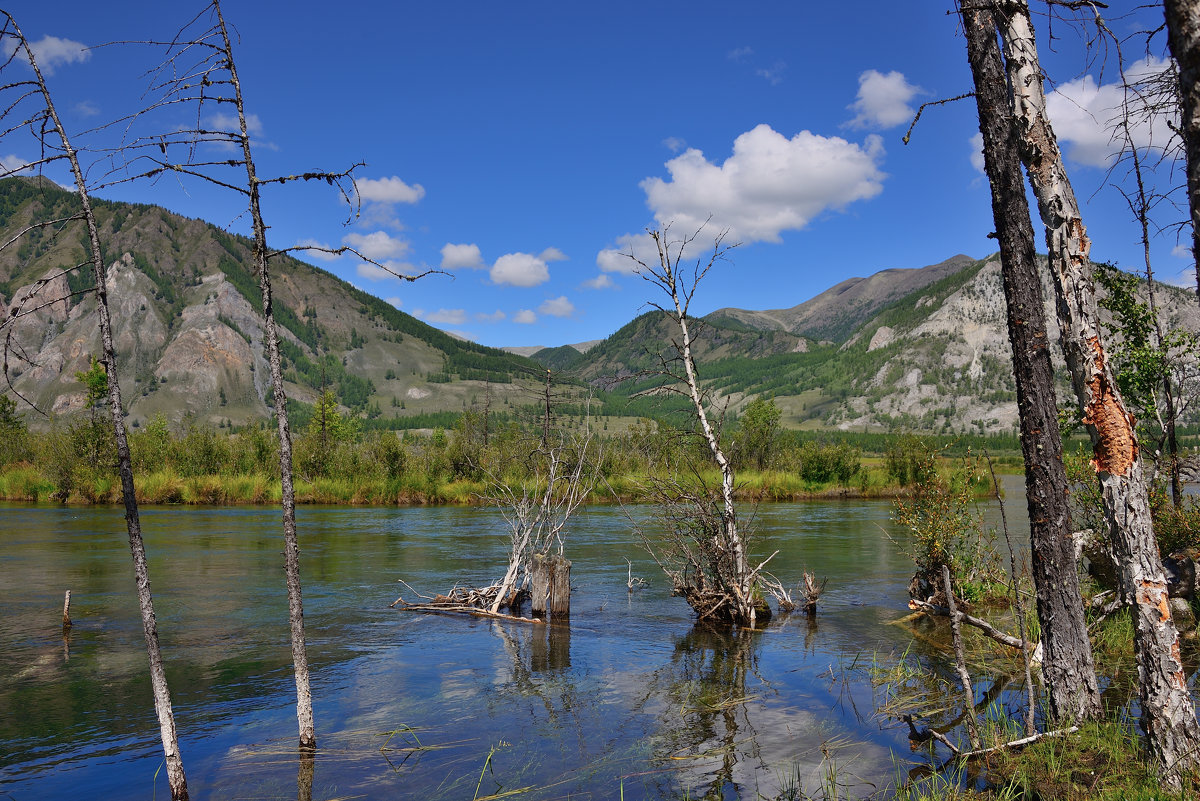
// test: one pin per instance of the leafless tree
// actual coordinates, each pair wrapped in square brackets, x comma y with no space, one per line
[705,555]
[1168,714]
[30,107]
[199,76]
[539,510]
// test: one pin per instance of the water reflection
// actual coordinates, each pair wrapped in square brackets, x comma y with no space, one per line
[707,722]
[631,695]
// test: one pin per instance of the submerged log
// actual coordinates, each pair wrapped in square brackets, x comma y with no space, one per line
[551,586]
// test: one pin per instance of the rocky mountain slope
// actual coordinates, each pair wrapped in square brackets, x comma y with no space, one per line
[187,312]
[924,350]
[921,349]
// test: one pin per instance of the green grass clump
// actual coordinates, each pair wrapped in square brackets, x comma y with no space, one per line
[24,483]
[1101,762]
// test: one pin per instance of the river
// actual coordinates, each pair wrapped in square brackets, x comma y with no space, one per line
[632,699]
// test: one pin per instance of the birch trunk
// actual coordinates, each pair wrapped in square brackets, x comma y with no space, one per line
[176,779]
[304,711]
[1069,672]
[1183,35]
[743,591]
[1168,715]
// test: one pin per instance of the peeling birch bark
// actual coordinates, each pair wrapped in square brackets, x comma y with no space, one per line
[1168,715]
[1069,671]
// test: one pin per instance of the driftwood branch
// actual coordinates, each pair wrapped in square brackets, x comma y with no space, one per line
[987,628]
[961,662]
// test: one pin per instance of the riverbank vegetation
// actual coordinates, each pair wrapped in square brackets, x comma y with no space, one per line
[338,462]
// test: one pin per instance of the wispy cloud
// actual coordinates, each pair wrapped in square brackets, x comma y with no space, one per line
[601,281]
[447,316]
[774,73]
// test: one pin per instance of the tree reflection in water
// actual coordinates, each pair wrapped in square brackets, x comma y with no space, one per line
[707,724]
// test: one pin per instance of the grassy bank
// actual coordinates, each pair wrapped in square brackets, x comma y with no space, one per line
[28,483]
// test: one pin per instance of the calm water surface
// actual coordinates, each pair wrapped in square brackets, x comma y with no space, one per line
[632,697]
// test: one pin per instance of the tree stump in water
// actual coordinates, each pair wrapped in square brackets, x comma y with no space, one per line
[551,586]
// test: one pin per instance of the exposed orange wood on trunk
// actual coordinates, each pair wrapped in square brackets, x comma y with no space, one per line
[1116,444]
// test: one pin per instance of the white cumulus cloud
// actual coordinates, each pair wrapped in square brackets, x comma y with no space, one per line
[378,246]
[769,185]
[372,272]
[552,254]
[494,317]
[12,165]
[1083,113]
[397,302]
[557,307]
[388,190]
[525,317]
[520,269]
[883,100]
[458,257]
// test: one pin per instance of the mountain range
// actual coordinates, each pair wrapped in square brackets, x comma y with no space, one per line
[916,348]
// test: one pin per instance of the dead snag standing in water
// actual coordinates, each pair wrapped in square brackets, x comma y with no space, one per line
[704,553]
[30,106]
[199,73]
[537,512]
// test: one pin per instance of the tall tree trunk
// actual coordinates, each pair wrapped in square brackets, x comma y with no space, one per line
[1183,35]
[304,711]
[1168,715]
[1067,667]
[158,678]
[743,591]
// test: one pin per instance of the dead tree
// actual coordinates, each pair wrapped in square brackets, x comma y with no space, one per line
[706,558]
[1168,714]
[199,73]
[47,129]
[1068,668]
[1183,36]
[538,512]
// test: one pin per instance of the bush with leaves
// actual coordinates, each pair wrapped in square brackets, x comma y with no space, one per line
[825,462]
[946,527]
[910,459]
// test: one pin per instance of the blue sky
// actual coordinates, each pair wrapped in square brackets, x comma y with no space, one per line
[523,146]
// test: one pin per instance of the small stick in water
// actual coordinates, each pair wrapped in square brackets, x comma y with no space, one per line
[67,611]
